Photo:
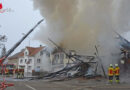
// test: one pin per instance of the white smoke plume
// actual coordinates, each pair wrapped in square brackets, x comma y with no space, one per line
[46,63]
[81,24]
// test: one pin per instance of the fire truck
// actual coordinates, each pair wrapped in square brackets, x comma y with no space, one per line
[7,68]
[10,69]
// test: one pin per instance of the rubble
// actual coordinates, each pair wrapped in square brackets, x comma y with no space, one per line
[82,67]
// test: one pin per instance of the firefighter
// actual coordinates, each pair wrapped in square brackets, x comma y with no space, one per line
[110,73]
[18,74]
[6,72]
[21,74]
[14,73]
[117,73]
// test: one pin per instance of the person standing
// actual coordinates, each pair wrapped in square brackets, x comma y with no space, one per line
[110,73]
[14,71]
[18,73]
[117,73]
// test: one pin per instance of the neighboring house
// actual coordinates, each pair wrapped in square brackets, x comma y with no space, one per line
[34,59]
[59,60]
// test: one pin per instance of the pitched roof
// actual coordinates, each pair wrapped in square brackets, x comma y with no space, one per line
[15,56]
[32,52]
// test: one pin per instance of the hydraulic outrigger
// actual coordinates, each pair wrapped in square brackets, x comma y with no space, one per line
[3,84]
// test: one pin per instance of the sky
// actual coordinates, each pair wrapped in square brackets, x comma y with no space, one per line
[19,20]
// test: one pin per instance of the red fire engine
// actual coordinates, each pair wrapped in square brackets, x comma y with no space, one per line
[7,68]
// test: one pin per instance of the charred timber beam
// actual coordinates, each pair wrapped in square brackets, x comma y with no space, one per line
[97,54]
[67,69]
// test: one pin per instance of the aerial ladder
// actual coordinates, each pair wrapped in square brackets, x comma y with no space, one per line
[3,84]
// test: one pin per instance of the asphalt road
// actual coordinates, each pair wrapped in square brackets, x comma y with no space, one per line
[68,85]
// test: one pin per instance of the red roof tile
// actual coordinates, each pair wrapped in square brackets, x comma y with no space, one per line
[32,52]
[15,56]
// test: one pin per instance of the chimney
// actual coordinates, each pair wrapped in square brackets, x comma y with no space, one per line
[40,45]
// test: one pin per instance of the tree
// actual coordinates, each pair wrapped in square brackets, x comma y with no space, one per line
[3,39]
[3,51]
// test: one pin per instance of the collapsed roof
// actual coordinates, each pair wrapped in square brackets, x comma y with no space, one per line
[124,43]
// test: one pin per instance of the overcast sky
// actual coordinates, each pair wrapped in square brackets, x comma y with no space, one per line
[20,20]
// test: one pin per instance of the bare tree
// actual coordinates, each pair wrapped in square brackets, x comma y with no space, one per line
[3,39]
[3,51]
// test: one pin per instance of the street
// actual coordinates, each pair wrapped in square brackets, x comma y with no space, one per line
[74,84]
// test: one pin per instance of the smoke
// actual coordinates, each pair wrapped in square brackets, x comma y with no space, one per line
[46,63]
[81,24]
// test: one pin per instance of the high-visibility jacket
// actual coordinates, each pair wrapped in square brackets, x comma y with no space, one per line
[6,71]
[13,71]
[117,71]
[110,71]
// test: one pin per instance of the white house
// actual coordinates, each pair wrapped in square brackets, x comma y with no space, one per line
[59,60]
[33,59]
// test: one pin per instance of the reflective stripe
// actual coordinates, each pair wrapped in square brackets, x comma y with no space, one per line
[117,71]
[117,81]
[111,71]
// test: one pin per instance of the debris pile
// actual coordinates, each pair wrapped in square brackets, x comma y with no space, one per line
[79,68]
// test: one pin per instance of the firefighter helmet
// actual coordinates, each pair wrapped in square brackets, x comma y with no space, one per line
[111,65]
[116,65]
